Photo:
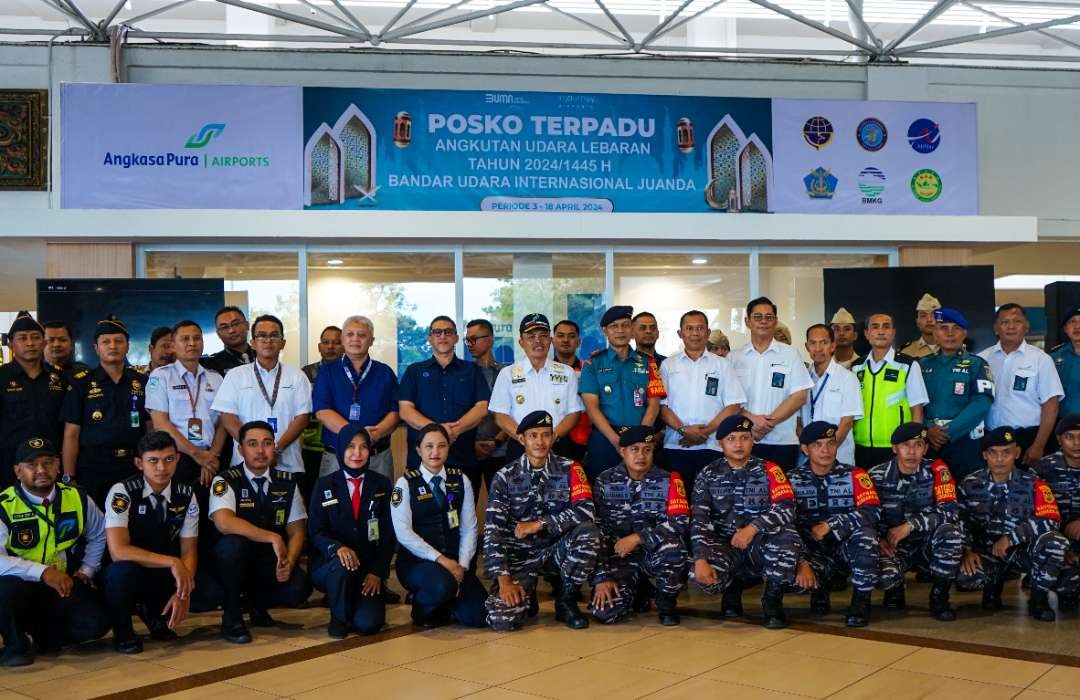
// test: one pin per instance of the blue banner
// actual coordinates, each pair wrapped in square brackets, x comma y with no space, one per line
[443,150]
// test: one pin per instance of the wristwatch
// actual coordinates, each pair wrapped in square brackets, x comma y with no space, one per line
[65,479]
[681,430]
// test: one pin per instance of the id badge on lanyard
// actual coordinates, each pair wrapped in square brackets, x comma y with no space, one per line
[354,408]
[136,420]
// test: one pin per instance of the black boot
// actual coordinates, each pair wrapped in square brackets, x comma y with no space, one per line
[665,608]
[858,613]
[772,606]
[895,598]
[1039,605]
[939,601]
[820,604]
[566,608]
[731,604]
[991,597]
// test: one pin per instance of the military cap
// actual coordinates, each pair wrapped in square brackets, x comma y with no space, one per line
[999,437]
[817,430]
[733,424]
[532,322]
[616,313]
[951,316]
[110,324]
[928,303]
[842,316]
[536,419]
[24,322]
[636,434]
[908,431]
[1073,311]
[1070,421]
[28,450]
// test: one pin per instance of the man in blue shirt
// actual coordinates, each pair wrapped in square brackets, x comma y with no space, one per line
[1067,362]
[357,390]
[445,389]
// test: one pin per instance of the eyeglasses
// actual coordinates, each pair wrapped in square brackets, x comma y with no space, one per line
[230,326]
[475,339]
[444,332]
[762,317]
[267,337]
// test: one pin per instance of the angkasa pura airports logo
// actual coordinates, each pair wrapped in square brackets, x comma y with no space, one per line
[209,133]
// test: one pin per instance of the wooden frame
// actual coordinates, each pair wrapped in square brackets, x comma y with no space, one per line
[24,139]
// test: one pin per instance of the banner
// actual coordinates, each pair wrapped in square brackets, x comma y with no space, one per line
[180,146]
[534,151]
[849,157]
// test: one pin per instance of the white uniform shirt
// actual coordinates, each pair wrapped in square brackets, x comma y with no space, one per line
[914,387]
[768,378]
[401,513]
[697,390]
[93,536]
[113,519]
[240,395]
[167,391]
[227,498]
[521,389]
[835,395]
[1024,380]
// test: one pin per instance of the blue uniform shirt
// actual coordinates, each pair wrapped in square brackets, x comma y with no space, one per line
[960,389]
[376,392]
[621,385]
[445,394]
[1067,363]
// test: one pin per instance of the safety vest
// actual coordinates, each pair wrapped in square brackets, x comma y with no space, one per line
[884,399]
[43,537]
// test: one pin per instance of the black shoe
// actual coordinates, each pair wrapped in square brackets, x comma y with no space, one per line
[772,606]
[895,598]
[991,597]
[1039,605]
[159,631]
[438,618]
[731,603]
[566,609]
[1068,601]
[13,658]
[665,610]
[131,645]
[390,597]
[337,630]
[939,601]
[644,595]
[858,613]
[261,618]
[236,633]
[820,604]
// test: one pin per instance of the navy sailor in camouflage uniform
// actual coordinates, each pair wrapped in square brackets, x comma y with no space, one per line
[920,521]
[1011,522]
[539,516]
[644,516]
[743,525]
[1062,471]
[836,512]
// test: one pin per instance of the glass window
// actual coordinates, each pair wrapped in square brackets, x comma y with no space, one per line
[399,292]
[668,285]
[258,283]
[504,287]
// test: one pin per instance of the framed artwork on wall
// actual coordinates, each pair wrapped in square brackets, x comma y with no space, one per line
[24,138]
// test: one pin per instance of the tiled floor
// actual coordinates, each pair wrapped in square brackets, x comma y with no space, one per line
[703,658]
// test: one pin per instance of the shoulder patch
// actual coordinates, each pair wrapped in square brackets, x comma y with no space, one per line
[944,484]
[283,475]
[676,502]
[580,490]
[396,496]
[779,486]
[220,487]
[120,503]
[865,493]
[412,473]
[655,388]
[81,374]
[453,470]
[1045,504]
[233,472]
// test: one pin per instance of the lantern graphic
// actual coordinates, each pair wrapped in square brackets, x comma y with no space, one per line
[684,135]
[402,129]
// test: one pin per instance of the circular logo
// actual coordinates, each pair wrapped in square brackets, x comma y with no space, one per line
[818,132]
[871,134]
[871,182]
[924,136]
[97,415]
[926,185]
[37,443]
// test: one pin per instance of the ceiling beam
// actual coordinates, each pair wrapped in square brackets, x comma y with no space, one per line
[660,27]
[450,21]
[842,36]
[968,38]
[926,19]
[618,25]
[584,21]
[306,21]
[1014,23]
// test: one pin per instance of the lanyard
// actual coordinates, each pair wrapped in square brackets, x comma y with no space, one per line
[814,397]
[346,364]
[198,390]
[277,384]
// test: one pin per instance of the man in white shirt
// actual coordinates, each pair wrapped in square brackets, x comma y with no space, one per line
[835,397]
[178,397]
[1027,388]
[267,390]
[775,381]
[535,383]
[702,390]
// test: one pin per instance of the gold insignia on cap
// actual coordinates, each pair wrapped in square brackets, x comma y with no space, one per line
[745,425]
[1008,436]
[649,438]
[928,303]
[37,443]
[830,432]
[546,420]
[922,434]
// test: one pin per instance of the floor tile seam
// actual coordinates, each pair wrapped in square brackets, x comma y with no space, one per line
[237,680]
[856,681]
[810,655]
[76,674]
[920,672]
[486,685]
[690,676]
[418,659]
[1040,677]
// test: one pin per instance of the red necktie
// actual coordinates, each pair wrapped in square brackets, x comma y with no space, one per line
[45,503]
[356,496]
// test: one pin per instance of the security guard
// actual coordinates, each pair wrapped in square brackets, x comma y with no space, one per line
[1062,471]
[843,326]
[53,538]
[961,390]
[743,525]
[352,537]
[152,529]
[104,414]
[620,387]
[1067,361]
[434,516]
[924,345]
[837,514]
[262,520]
[644,519]
[920,521]
[539,517]
[31,394]
[1011,522]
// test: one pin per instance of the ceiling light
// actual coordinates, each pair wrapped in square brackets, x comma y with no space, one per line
[699,261]
[1020,282]
[335,262]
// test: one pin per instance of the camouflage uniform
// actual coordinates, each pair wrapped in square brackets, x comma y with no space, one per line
[558,495]
[655,508]
[726,500]
[926,500]
[844,498]
[1065,483]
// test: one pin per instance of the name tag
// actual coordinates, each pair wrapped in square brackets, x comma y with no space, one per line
[778,379]
[1020,383]
[712,384]
[331,502]
[891,375]
[452,519]
[373,530]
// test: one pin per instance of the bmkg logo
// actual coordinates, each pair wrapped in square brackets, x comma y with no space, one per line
[205,135]
[820,184]
[871,134]
[871,185]
[924,136]
[926,185]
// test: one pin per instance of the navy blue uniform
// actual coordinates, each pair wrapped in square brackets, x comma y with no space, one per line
[961,390]
[1065,483]
[28,408]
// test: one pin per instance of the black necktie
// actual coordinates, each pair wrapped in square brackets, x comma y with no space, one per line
[437,492]
[259,482]
[159,507]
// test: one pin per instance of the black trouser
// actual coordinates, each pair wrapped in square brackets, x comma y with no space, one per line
[787,456]
[688,463]
[189,472]
[33,608]
[867,457]
[250,567]
[126,584]
[434,588]
[312,464]
[348,605]
[98,468]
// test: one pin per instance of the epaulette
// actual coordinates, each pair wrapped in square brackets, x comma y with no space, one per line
[904,359]
[233,472]
[594,353]
[141,369]
[454,471]
[1056,347]
[411,473]
[282,475]
[81,374]
[182,488]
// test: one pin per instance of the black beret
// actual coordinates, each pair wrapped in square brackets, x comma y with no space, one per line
[533,321]
[35,447]
[635,434]
[24,322]
[1073,311]
[1070,421]
[616,313]
[731,424]
[110,324]
[536,419]
[816,431]
[908,431]
[999,437]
